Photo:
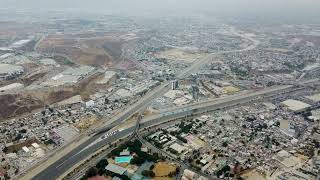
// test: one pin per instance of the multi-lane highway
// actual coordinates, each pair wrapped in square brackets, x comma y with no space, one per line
[98,141]
[165,87]
[87,147]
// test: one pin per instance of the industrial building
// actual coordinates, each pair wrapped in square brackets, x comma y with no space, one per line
[116,169]
[315,98]
[295,105]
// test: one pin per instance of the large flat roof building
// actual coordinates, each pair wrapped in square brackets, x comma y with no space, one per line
[295,105]
[178,148]
[314,98]
[116,169]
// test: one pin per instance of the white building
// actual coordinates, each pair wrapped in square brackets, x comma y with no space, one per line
[295,105]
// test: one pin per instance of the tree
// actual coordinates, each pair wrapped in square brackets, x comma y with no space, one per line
[177,170]
[137,160]
[124,177]
[264,125]
[93,171]
[172,174]
[225,144]
[148,173]
[102,164]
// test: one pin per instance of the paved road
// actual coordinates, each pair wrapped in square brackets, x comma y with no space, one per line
[165,87]
[79,153]
[141,104]
[76,155]
[96,142]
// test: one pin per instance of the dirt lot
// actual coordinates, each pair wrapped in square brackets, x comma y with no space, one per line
[179,55]
[13,105]
[85,123]
[252,175]
[85,88]
[162,170]
[100,50]
[32,77]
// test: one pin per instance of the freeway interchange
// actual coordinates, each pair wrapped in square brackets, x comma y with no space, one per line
[165,87]
[99,140]
[101,136]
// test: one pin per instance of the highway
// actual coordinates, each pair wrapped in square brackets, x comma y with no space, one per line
[165,87]
[94,143]
[98,141]
[85,149]
[78,153]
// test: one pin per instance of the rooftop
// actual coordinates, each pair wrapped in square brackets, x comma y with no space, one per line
[295,105]
[178,147]
[116,169]
[314,98]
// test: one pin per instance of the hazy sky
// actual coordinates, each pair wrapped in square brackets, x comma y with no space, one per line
[165,7]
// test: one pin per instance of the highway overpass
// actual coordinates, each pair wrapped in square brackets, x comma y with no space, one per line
[98,141]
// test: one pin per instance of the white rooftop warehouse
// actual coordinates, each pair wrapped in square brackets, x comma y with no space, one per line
[295,105]
[314,98]
[116,169]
